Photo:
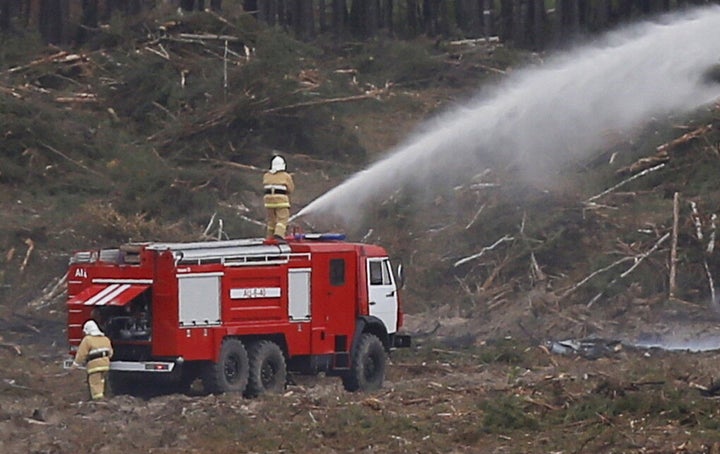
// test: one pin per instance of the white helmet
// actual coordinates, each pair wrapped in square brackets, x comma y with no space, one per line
[277,164]
[90,328]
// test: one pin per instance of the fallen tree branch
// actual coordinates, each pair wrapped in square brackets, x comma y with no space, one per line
[373,94]
[208,36]
[477,213]
[627,180]
[475,41]
[673,250]
[39,61]
[161,53]
[50,293]
[251,220]
[13,347]
[643,256]
[593,274]
[638,259]
[702,130]
[78,98]
[644,163]
[696,220]
[64,156]
[483,250]
[31,247]
[11,92]
[233,164]
[711,283]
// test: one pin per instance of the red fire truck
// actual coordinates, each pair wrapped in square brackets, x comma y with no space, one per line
[240,314]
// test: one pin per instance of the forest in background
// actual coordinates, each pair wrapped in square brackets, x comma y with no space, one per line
[530,24]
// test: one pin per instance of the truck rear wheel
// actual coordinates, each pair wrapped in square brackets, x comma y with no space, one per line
[368,365]
[230,372]
[268,371]
[121,383]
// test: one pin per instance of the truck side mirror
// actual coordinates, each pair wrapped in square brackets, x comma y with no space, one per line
[400,274]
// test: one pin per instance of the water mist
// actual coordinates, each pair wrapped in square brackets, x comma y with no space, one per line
[541,118]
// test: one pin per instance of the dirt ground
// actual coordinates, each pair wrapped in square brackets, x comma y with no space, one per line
[490,395]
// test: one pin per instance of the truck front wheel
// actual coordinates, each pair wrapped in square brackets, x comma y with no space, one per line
[230,372]
[268,371]
[367,371]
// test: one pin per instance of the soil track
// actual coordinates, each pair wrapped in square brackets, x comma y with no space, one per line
[503,395]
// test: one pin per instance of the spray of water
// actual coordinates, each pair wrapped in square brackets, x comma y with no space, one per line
[541,118]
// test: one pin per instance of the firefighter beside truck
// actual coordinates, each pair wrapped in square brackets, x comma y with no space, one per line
[240,314]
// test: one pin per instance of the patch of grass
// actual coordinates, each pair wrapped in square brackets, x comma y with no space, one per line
[505,414]
[401,62]
[507,351]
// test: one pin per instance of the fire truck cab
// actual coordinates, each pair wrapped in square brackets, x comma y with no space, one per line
[240,314]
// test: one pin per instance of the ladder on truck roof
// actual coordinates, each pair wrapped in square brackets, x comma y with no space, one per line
[252,251]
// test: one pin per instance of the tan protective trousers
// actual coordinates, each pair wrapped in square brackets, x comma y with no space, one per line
[277,221]
[96,384]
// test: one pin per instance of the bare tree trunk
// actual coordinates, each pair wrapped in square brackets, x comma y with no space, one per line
[602,14]
[488,10]
[373,17]
[386,16]
[538,20]
[412,17]
[284,13]
[506,19]
[50,21]
[251,6]
[303,18]
[88,21]
[569,15]
[364,18]
[266,11]
[339,17]
[134,7]
[322,16]
[4,15]
[520,25]
[463,17]
[430,14]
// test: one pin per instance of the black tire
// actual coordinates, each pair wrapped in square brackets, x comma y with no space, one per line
[268,371]
[122,383]
[183,380]
[230,372]
[367,371]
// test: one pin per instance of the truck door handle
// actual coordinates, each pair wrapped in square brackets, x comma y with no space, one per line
[372,303]
[391,293]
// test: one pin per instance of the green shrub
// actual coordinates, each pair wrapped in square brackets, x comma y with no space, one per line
[507,413]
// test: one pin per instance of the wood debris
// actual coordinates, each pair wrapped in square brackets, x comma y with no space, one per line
[13,347]
[702,130]
[624,182]
[662,155]
[370,94]
[31,246]
[483,250]
[78,98]
[50,58]
[644,163]
[49,294]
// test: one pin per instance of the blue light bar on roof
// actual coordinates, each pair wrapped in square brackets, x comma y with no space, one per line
[321,236]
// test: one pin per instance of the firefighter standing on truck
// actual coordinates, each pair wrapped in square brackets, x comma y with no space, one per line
[278,185]
[94,352]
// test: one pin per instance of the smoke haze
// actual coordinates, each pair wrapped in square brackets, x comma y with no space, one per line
[540,118]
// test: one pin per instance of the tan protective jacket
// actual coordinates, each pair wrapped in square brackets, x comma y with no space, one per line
[278,188]
[96,351]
